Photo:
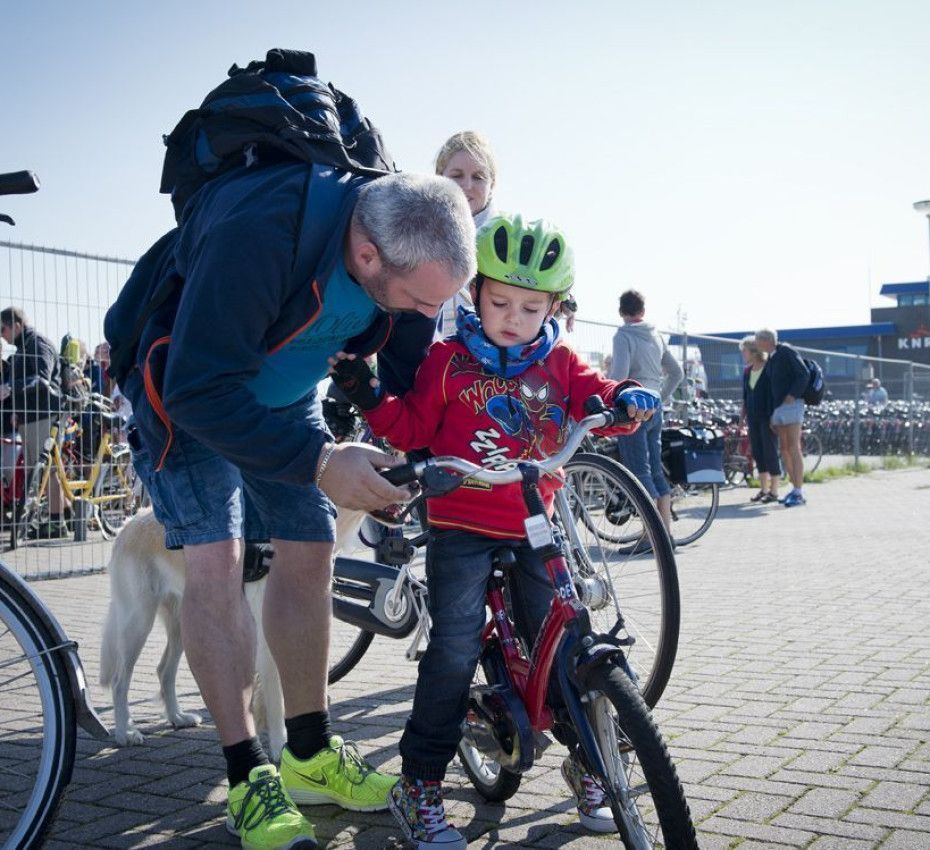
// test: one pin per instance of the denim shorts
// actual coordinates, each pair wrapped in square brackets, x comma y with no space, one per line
[789,413]
[200,497]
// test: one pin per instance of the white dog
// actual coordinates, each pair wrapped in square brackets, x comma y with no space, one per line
[147,579]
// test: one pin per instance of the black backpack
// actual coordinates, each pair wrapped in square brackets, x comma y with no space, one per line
[266,113]
[816,387]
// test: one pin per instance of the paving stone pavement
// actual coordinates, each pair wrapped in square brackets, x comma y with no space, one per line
[797,713]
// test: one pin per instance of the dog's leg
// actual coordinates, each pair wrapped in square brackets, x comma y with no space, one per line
[132,636]
[268,699]
[168,667]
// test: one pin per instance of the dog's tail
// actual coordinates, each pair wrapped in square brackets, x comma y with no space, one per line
[108,648]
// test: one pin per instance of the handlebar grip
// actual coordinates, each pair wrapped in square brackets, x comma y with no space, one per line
[18,183]
[400,475]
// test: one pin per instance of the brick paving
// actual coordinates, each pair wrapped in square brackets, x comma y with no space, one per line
[798,712]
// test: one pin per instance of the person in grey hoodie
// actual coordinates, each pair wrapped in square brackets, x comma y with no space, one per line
[640,353]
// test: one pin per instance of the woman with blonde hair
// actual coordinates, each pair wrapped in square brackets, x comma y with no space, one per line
[757,406]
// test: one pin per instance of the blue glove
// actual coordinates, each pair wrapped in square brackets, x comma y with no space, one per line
[638,397]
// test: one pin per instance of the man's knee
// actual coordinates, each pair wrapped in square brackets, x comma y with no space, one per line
[302,563]
[213,566]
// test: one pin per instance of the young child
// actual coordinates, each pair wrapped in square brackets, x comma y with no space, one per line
[501,390]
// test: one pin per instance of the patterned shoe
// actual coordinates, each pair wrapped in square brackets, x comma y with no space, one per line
[337,775]
[417,807]
[593,809]
[260,812]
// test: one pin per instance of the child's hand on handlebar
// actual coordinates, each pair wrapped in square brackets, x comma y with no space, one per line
[354,377]
[640,403]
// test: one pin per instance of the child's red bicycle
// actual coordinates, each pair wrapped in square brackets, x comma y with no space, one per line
[600,714]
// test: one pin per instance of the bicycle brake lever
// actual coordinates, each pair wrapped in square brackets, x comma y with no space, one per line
[436,481]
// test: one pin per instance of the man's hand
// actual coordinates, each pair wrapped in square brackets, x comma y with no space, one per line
[352,481]
[641,404]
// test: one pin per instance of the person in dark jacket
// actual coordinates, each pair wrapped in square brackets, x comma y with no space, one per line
[226,407]
[757,406]
[30,392]
[788,377]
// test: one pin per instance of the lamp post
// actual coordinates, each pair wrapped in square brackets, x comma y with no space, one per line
[923,207]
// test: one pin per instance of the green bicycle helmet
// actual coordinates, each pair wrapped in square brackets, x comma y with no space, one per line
[533,255]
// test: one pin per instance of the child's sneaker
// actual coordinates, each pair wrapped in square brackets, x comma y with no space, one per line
[337,774]
[593,809]
[264,817]
[417,807]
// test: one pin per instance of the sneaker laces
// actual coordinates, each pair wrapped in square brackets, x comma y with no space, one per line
[351,763]
[594,793]
[430,811]
[272,801]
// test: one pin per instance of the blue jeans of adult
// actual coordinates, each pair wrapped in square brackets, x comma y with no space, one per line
[458,566]
[641,453]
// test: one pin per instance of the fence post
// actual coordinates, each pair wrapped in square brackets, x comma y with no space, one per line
[684,362]
[856,445]
[910,410]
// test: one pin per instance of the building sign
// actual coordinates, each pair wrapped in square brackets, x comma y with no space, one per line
[917,338]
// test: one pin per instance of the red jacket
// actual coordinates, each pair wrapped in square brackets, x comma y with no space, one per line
[457,408]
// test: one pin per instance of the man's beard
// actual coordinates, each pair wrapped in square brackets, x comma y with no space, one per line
[377,291]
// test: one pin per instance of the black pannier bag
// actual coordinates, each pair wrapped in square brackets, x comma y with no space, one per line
[693,455]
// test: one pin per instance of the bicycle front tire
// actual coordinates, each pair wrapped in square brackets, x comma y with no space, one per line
[38,730]
[647,798]
[349,644]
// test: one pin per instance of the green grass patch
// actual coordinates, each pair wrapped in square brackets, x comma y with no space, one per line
[831,472]
[899,461]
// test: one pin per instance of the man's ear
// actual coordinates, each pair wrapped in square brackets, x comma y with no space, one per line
[364,254]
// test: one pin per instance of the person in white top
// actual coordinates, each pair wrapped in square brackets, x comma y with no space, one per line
[466,158]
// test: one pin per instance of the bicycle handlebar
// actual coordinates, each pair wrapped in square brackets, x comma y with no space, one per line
[18,183]
[597,418]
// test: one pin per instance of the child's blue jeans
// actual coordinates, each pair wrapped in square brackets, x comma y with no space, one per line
[458,566]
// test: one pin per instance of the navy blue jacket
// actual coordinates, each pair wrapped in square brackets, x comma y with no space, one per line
[255,251]
[758,400]
[787,373]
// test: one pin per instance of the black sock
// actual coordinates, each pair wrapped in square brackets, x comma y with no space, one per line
[307,734]
[242,757]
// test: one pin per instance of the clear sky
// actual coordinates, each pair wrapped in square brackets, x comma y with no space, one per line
[744,162]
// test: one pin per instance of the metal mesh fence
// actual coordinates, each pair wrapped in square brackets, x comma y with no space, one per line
[857,416]
[66,480]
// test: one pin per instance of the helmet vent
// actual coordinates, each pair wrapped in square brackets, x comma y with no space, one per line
[500,244]
[526,249]
[551,255]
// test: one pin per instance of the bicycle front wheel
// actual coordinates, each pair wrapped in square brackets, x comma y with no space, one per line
[348,644]
[642,785]
[694,507]
[622,563]
[115,497]
[37,722]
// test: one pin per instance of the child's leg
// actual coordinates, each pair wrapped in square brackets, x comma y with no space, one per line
[458,565]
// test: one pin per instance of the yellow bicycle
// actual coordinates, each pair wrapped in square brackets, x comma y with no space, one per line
[101,488]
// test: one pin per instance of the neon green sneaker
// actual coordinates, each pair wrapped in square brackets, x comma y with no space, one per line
[337,775]
[264,817]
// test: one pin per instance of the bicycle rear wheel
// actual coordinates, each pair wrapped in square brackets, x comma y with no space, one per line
[694,507]
[811,451]
[642,785]
[37,722]
[623,564]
